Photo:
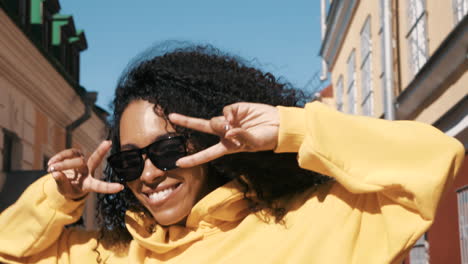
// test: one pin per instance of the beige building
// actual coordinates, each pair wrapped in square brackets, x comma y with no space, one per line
[42,104]
[406,59]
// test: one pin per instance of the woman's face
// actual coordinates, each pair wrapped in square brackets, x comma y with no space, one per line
[168,195]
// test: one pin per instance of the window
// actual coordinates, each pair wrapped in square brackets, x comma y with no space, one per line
[339,93]
[460,8]
[463,222]
[418,254]
[12,150]
[382,55]
[367,103]
[45,160]
[351,89]
[417,36]
[7,150]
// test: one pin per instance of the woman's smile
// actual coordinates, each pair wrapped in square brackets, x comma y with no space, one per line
[162,194]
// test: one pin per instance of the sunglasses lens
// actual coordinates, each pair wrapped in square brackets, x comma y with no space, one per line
[127,165]
[165,153]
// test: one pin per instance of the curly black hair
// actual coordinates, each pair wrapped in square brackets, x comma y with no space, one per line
[199,81]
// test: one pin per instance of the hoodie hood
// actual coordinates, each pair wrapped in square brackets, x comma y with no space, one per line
[224,207]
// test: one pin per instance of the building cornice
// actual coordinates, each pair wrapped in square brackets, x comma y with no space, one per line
[34,37]
[338,22]
[32,75]
[455,122]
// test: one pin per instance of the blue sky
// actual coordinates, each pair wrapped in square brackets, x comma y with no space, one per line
[283,36]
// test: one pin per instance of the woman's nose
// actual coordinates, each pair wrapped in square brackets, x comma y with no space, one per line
[151,173]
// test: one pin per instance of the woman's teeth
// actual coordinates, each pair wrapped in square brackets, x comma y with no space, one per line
[158,196]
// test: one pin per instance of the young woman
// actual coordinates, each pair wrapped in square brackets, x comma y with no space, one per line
[205,166]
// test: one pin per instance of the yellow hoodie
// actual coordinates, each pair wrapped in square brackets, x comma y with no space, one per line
[389,179]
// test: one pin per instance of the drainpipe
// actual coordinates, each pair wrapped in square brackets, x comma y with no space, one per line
[388,55]
[323,27]
[89,100]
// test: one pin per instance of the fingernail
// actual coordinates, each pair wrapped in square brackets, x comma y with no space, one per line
[51,169]
[227,127]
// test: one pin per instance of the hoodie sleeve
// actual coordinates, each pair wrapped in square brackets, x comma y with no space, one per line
[408,162]
[35,223]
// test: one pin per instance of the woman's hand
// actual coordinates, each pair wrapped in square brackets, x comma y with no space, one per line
[243,127]
[74,174]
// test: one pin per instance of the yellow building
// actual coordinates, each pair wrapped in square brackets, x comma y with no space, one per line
[43,109]
[406,59]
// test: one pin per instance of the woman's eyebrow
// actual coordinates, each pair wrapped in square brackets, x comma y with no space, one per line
[130,146]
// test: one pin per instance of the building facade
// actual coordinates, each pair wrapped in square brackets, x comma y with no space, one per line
[43,108]
[407,59]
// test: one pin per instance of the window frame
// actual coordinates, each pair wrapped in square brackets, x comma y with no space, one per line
[462,204]
[339,93]
[460,9]
[416,36]
[367,93]
[351,91]
[382,55]
[419,253]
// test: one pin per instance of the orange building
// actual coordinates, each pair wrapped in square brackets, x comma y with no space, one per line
[407,59]
[43,108]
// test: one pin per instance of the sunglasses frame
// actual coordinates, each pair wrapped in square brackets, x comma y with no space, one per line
[145,150]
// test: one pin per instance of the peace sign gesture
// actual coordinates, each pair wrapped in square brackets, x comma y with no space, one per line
[244,127]
[75,175]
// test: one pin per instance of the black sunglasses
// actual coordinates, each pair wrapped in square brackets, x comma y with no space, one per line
[163,153]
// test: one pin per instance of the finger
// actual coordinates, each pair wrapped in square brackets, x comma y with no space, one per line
[60,178]
[93,185]
[234,113]
[228,112]
[219,125]
[198,124]
[203,156]
[78,163]
[65,154]
[98,155]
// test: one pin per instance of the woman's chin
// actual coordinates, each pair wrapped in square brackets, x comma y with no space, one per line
[168,220]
